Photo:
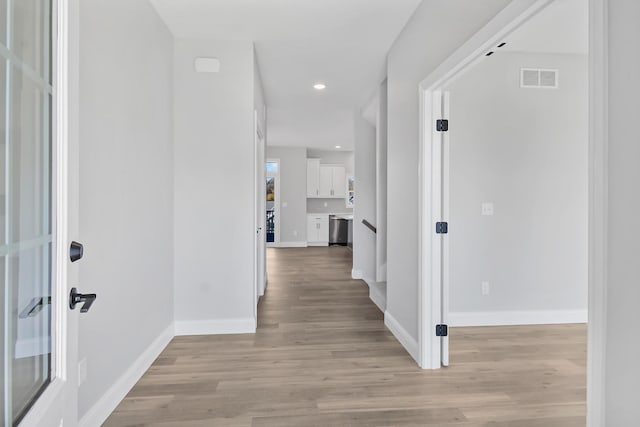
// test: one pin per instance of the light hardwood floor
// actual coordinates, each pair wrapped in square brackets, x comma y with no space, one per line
[323,357]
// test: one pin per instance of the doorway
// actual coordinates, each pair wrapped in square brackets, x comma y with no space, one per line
[272,185]
[437,219]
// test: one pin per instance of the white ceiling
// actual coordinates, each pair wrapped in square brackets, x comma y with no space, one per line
[342,43]
[562,27]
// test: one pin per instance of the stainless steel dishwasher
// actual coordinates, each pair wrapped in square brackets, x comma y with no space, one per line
[338,230]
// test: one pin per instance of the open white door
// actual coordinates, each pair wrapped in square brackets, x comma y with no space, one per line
[39,211]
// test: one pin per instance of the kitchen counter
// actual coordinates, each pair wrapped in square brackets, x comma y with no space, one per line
[344,215]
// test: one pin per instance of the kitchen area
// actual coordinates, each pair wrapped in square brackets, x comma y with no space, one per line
[330,200]
[310,197]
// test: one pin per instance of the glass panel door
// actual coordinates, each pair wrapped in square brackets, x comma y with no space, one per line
[272,170]
[271,211]
[25,203]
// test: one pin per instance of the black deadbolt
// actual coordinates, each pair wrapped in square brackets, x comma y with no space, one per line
[76,251]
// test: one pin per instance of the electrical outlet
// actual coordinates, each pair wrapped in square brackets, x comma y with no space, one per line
[295,232]
[82,371]
[485,288]
[326,204]
[487,209]
[285,204]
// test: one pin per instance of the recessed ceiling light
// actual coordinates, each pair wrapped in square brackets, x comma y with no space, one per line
[338,146]
[319,86]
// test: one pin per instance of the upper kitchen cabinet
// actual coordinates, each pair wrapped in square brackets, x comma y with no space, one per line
[338,176]
[313,178]
[325,181]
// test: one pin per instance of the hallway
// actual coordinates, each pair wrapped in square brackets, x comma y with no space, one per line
[323,357]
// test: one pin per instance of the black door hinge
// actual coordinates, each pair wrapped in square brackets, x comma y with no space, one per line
[442,227]
[442,125]
[442,330]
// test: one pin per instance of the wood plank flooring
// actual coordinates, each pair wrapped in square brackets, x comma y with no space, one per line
[323,357]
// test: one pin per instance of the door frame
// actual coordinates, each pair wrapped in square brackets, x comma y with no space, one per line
[276,204]
[260,262]
[429,307]
[65,183]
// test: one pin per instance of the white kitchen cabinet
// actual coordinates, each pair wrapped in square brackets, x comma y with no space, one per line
[317,230]
[325,181]
[339,180]
[313,178]
[333,182]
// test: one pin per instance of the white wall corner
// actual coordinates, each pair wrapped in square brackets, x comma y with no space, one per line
[216,326]
[408,342]
[382,273]
[356,274]
[109,401]
[512,318]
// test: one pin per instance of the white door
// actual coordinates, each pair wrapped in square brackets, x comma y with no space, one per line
[38,211]
[260,215]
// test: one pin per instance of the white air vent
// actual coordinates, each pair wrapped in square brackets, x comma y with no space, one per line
[538,78]
[207,65]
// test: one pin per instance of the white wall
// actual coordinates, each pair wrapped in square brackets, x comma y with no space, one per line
[293,192]
[214,188]
[525,151]
[622,350]
[321,127]
[364,240]
[126,217]
[419,49]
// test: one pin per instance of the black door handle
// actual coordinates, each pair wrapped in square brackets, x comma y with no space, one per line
[76,298]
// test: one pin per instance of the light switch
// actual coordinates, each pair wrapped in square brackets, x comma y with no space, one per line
[285,204]
[487,209]
[325,204]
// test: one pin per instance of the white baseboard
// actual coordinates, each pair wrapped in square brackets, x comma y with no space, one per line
[99,412]
[378,293]
[291,245]
[310,244]
[216,327]
[356,274]
[407,341]
[506,318]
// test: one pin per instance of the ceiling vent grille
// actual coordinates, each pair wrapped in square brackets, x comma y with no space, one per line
[538,78]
